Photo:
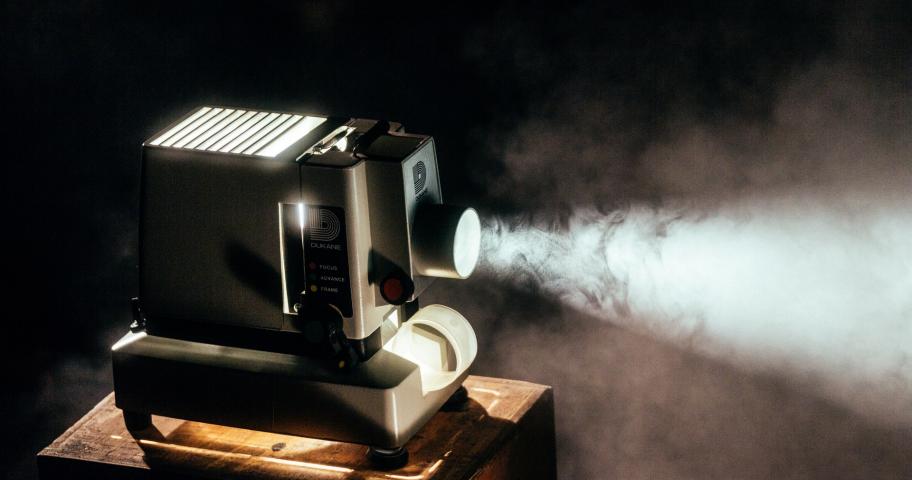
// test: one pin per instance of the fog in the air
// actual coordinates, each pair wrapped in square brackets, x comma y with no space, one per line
[769,255]
[782,246]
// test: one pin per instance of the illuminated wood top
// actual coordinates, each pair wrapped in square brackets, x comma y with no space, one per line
[507,431]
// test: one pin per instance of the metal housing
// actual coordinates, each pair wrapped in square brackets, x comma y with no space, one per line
[247,219]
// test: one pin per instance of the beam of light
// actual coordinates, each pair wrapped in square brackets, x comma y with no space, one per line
[485,390]
[247,456]
[818,287]
[425,474]
[296,463]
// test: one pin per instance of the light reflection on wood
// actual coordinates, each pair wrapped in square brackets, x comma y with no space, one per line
[282,461]
[423,475]
[452,445]
[491,391]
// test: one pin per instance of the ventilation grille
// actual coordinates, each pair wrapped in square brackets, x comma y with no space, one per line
[246,132]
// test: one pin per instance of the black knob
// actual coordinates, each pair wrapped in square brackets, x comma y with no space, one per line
[317,320]
[321,326]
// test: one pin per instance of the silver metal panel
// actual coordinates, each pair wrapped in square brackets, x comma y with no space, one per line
[347,188]
[393,201]
[209,237]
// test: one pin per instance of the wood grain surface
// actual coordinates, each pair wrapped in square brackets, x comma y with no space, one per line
[507,432]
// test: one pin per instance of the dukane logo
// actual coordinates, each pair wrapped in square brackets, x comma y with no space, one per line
[322,225]
[419,175]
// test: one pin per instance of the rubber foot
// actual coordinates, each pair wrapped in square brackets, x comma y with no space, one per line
[137,421]
[387,458]
[458,401]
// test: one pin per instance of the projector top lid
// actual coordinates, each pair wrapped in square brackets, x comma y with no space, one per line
[238,131]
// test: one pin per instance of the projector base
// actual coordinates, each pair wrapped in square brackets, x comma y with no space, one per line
[380,403]
[380,458]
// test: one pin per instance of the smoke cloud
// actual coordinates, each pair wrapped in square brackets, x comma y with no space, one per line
[778,245]
[782,244]
[789,284]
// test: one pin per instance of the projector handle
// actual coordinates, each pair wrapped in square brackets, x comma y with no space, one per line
[365,140]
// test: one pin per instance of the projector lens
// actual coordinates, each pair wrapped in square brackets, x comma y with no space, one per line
[446,241]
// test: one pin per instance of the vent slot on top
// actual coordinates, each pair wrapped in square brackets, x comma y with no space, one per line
[246,132]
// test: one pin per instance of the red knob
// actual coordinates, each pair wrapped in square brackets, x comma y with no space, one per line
[396,288]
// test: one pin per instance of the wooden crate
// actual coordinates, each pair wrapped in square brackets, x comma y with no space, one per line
[507,432]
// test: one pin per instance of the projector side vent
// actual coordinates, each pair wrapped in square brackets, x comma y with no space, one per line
[229,130]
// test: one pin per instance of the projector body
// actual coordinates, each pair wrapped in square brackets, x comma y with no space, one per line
[281,260]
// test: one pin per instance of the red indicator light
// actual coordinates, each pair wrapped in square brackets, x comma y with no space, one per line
[392,290]
[396,288]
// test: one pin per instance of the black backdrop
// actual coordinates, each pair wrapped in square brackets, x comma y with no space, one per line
[85,83]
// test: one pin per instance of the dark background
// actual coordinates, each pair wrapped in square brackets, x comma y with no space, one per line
[85,83]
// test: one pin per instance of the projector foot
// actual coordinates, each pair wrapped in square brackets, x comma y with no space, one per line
[387,458]
[458,401]
[137,421]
